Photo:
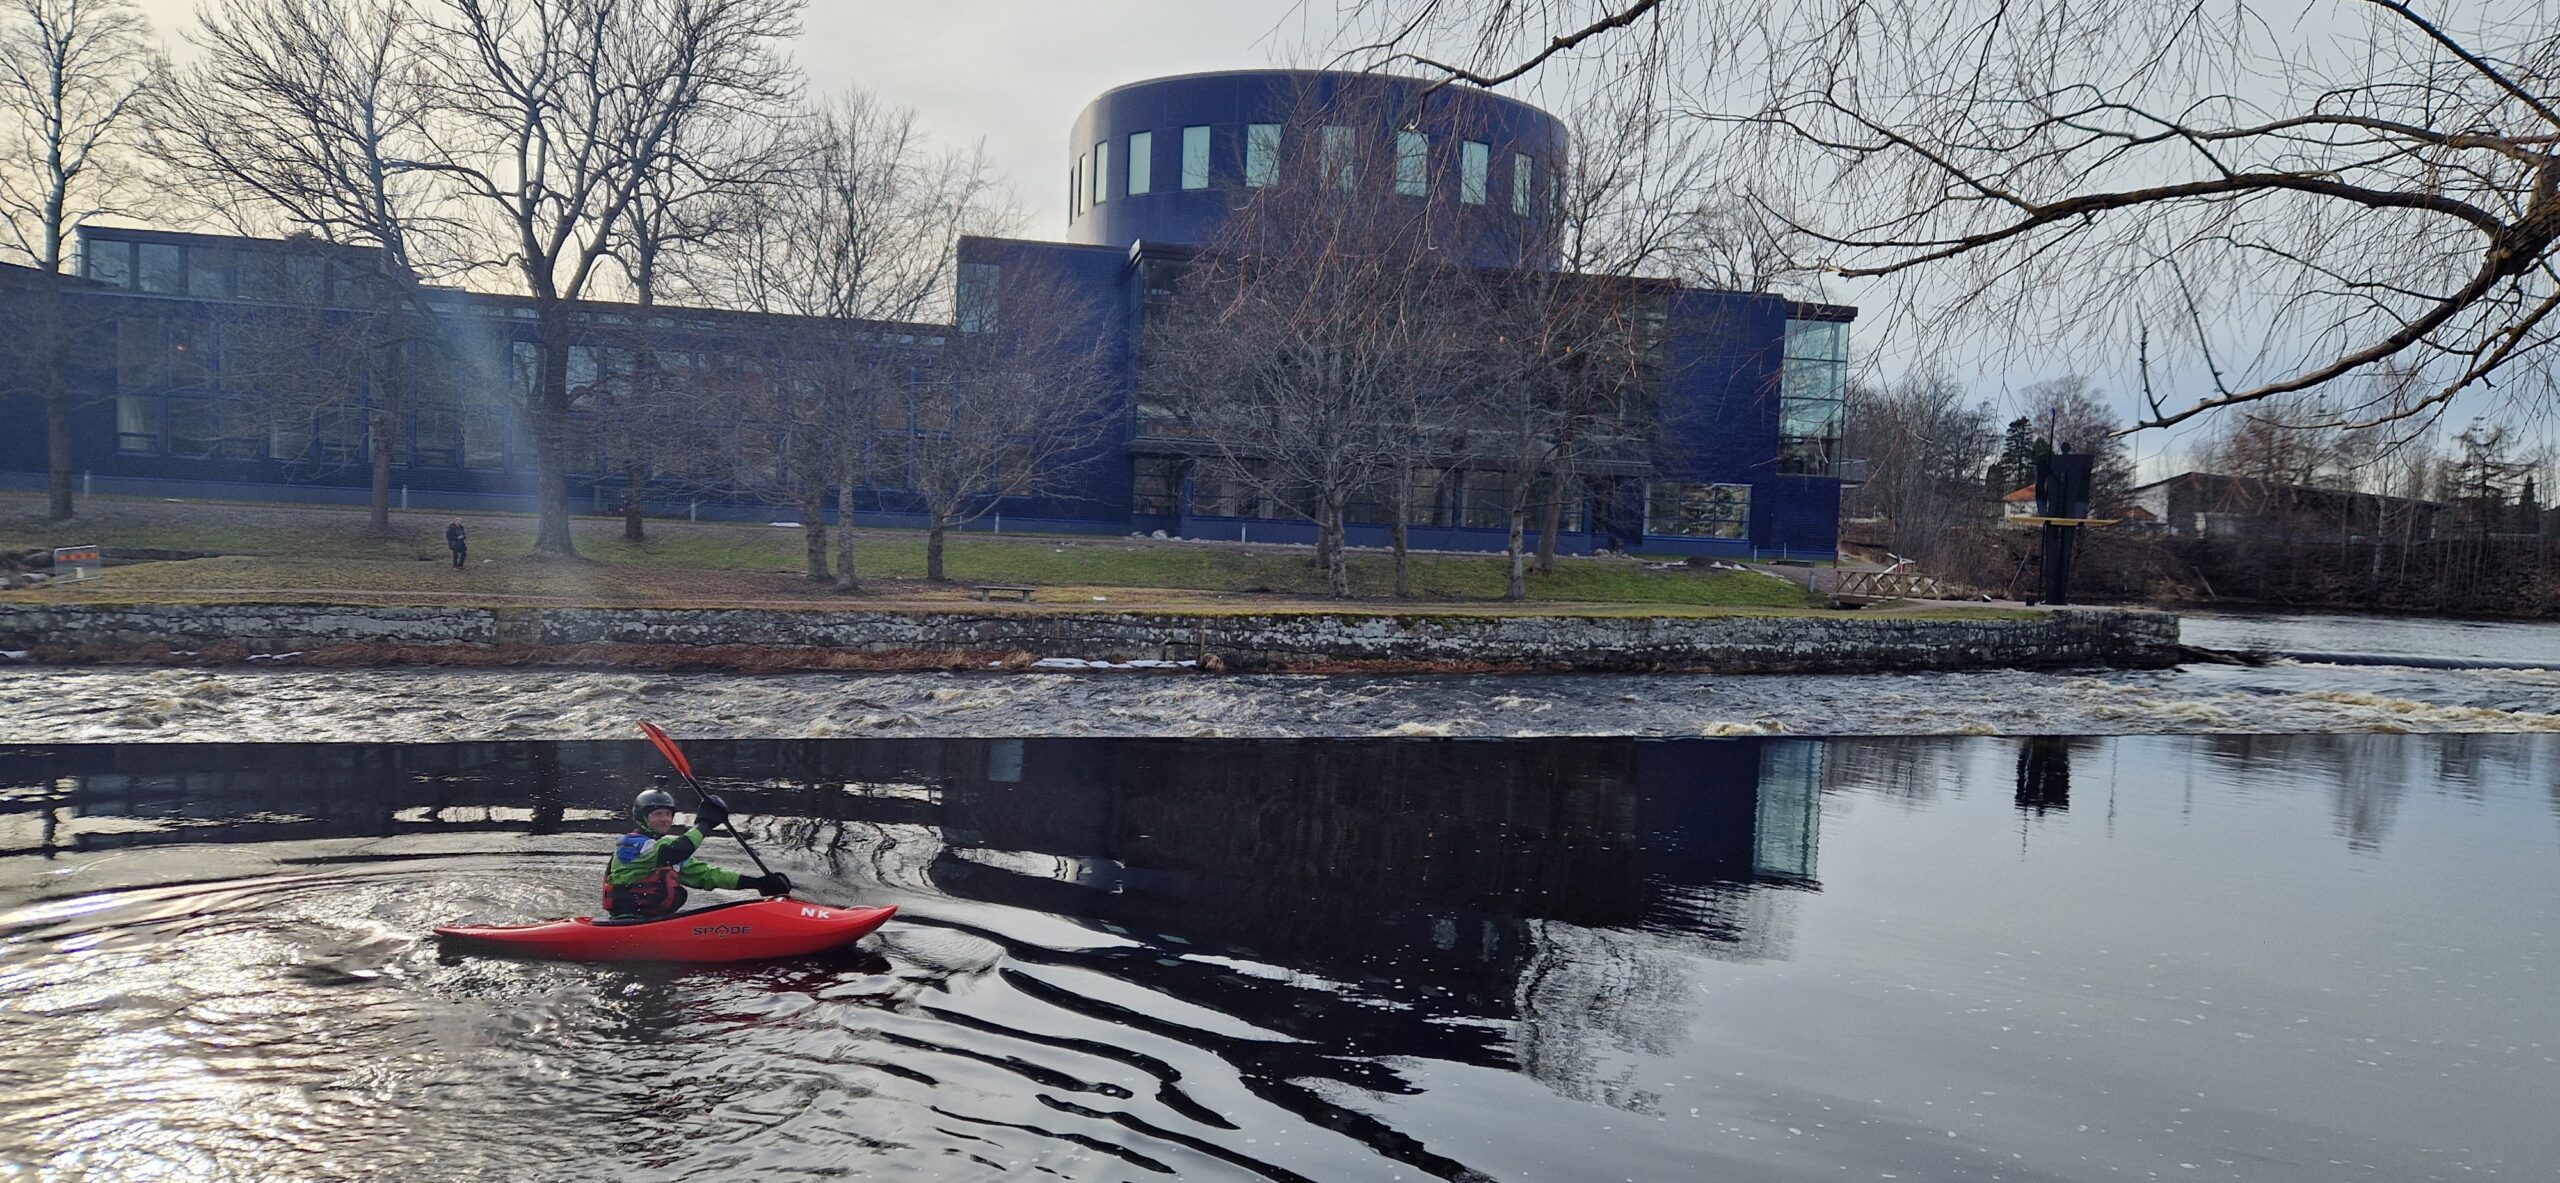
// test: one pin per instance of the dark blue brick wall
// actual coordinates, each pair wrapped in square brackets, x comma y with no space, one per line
[1227,102]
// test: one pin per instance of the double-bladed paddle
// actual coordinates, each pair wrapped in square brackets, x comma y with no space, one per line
[675,755]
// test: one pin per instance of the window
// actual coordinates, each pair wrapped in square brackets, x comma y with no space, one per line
[1337,161]
[209,271]
[1261,154]
[1142,162]
[138,354]
[164,268]
[110,263]
[188,364]
[1520,177]
[438,437]
[191,430]
[1157,487]
[974,300]
[1433,501]
[1413,161]
[1102,172]
[261,276]
[237,425]
[1812,387]
[306,279]
[1473,159]
[1075,187]
[1488,500]
[138,423]
[1674,509]
[1195,158]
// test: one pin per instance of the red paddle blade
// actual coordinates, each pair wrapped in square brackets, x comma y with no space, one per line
[667,747]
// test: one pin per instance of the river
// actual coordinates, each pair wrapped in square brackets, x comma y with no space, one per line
[2236,955]
[2496,685]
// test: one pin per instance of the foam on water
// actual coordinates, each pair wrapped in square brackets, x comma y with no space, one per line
[276,703]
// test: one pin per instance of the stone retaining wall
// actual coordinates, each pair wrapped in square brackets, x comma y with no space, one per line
[1733,644]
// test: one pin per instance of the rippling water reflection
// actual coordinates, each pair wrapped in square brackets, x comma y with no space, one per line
[2246,957]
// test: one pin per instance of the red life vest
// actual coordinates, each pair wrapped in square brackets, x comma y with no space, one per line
[657,894]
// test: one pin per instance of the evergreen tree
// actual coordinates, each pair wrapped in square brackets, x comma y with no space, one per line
[2016,466]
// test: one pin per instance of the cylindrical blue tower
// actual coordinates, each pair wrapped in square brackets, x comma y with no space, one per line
[1165,160]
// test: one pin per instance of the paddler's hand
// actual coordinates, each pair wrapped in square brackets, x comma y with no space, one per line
[714,811]
[774,884]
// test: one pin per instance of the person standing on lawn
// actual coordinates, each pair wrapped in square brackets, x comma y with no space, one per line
[457,540]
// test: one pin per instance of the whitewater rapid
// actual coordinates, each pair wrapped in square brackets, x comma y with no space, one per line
[282,704]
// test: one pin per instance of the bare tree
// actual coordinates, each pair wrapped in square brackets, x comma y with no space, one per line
[859,241]
[310,116]
[1571,356]
[1927,448]
[550,118]
[1021,391]
[71,74]
[2277,197]
[1304,351]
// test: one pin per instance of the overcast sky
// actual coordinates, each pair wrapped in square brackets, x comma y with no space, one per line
[1012,73]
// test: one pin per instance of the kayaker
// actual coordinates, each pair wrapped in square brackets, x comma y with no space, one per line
[654,864]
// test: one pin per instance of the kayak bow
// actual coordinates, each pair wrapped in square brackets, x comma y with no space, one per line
[749,930]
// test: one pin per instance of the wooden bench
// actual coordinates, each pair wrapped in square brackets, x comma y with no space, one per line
[1017,591]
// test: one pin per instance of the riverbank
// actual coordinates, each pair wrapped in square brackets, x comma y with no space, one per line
[224,583]
[765,640]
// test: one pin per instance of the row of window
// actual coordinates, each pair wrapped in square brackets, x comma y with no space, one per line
[1338,163]
[278,272]
[1470,499]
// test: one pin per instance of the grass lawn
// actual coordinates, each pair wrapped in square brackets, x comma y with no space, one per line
[324,554]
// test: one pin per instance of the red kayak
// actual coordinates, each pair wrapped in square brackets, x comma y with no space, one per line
[750,930]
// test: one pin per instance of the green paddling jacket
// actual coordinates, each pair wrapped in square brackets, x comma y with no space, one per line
[648,873]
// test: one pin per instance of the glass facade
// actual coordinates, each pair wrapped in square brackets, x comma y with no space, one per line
[1195,158]
[1102,172]
[1672,508]
[1413,163]
[1473,160]
[1261,154]
[1142,162]
[1813,386]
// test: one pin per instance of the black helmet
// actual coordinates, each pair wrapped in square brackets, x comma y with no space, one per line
[648,801]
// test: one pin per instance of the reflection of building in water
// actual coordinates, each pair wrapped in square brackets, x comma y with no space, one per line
[1486,902]
[2044,774]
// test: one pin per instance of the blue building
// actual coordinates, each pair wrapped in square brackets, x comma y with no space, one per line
[1740,460]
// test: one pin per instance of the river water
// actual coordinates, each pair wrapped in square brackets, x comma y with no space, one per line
[2287,941]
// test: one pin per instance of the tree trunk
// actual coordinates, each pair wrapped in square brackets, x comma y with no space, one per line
[1516,585]
[635,485]
[384,429]
[390,406]
[1403,535]
[1337,567]
[813,532]
[551,534]
[935,527]
[844,535]
[1550,525]
[57,403]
